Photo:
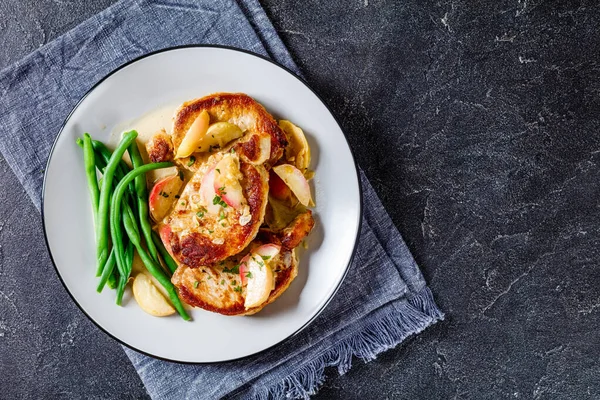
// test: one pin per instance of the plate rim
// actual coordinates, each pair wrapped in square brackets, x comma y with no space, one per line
[228,48]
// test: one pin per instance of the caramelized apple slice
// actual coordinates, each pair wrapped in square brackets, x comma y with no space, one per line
[219,134]
[297,152]
[260,283]
[277,187]
[163,195]
[207,192]
[296,181]
[194,136]
[165,236]
[227,181]
[244,269]
[149,298]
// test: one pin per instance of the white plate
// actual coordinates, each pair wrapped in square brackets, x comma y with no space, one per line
[173,76]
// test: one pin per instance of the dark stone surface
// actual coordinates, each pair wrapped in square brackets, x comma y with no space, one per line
[477,125]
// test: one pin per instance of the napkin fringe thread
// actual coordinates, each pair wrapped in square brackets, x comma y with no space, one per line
[411,317]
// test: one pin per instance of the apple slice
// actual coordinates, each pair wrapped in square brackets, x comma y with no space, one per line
[227,181]
[163,195]
[268,251]
[264,254]
[296,181]
[298,148]
[277,187]
[194,136]
[219,134]
[260,282]
[149,298]
[165,236]
[244,269]
[207,192]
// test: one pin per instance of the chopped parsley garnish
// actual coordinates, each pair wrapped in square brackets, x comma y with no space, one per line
[217,200]
[209,231]
[218,170]
[209,278]
[232,150]
[223,224]
[192,161]
[183,203]
[163,194]
[222,281]
[237,289]
[233,270]
[196,284]
[248,274]
[221,215]
[200,214]
[180,174]
[265,257]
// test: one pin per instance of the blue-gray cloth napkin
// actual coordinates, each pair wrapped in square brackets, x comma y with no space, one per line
[383,299]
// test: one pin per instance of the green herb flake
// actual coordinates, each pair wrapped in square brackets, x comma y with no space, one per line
[232,150]
[183,203]
[218,170]
[233,270]
[221,216]
[217,200]
[209,231]
[200,214]
[180,173]
[237,289]
[223,224]
[192,161]
[248,274]
[163,194]
[196,283]
[265,257]
[222,281]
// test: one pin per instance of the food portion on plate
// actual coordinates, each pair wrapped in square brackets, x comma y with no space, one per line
[221,232]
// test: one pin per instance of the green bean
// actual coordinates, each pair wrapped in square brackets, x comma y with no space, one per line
[107,272]
[113,279]
[105,152]
[115,207]
[90,171]
[155,269]
[105,195]
[171,264]
[126,272]
[141,190]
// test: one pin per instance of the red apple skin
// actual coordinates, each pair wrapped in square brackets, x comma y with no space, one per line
[244,269]
[165,235]
[270,250]
[277,187]
[159,205]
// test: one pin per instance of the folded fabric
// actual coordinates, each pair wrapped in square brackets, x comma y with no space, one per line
[383,298]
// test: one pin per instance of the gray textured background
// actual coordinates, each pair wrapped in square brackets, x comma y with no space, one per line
[478,127]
